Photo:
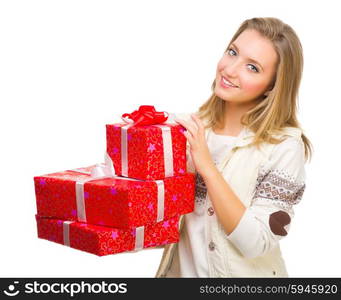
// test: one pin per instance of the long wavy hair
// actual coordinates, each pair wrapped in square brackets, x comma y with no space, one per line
[279,108]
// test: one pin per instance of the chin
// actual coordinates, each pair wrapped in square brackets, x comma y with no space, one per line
[218,93]
[222,96]
[229,99]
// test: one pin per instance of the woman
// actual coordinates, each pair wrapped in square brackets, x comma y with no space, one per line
[248,151]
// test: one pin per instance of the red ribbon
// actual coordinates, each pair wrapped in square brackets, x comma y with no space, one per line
[146,115]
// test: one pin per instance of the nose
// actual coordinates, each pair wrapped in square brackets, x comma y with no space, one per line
[231,69]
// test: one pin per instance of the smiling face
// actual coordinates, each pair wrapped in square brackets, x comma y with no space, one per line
[247,69]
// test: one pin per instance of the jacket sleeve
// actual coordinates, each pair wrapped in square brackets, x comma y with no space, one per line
[280,186]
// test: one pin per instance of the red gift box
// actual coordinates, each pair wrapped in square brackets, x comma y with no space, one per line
[101,240]
[116,202]
[147,152]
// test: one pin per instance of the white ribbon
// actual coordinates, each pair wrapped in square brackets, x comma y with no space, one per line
[98,172]
[66,232]
[124,149]
[139,238]
[160,200]
[107,170]
[81,214]
[167,149]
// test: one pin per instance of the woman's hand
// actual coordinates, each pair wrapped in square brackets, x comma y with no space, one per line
[195,134]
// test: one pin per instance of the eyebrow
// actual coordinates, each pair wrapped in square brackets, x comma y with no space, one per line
[250,59]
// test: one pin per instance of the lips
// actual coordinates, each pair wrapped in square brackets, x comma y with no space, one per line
[226,83]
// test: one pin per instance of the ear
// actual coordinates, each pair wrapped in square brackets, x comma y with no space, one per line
[270,88]
[267,93]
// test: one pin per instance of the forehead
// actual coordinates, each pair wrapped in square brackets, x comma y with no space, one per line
[252,44]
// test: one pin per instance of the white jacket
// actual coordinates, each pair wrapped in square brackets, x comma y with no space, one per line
[269,181]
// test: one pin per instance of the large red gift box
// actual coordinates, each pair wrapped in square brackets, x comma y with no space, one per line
[147,152]
[101,240]
[117,202]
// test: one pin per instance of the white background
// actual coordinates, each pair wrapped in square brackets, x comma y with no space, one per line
[67,68]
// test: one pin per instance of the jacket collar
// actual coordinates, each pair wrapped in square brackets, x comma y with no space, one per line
[246,135]
[245,138]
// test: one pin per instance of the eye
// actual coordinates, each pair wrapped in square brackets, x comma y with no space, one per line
[231,52]
[253,68]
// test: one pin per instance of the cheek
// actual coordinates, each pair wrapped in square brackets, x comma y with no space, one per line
[253,87]
[221,65]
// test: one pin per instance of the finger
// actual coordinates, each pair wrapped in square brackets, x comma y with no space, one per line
[190,127]
[189,137]
[198,122]
[180,121]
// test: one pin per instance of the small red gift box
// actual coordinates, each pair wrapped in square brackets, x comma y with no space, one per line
[117,202]
[147,152]
[102,240]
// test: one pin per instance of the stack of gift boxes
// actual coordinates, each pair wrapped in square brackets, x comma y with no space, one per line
[132,201]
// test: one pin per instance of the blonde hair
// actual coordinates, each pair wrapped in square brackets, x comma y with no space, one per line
[279,108]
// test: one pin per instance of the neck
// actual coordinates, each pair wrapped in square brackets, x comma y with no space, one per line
[232,117]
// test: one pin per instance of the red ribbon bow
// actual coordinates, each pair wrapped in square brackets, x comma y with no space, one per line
[146,115]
